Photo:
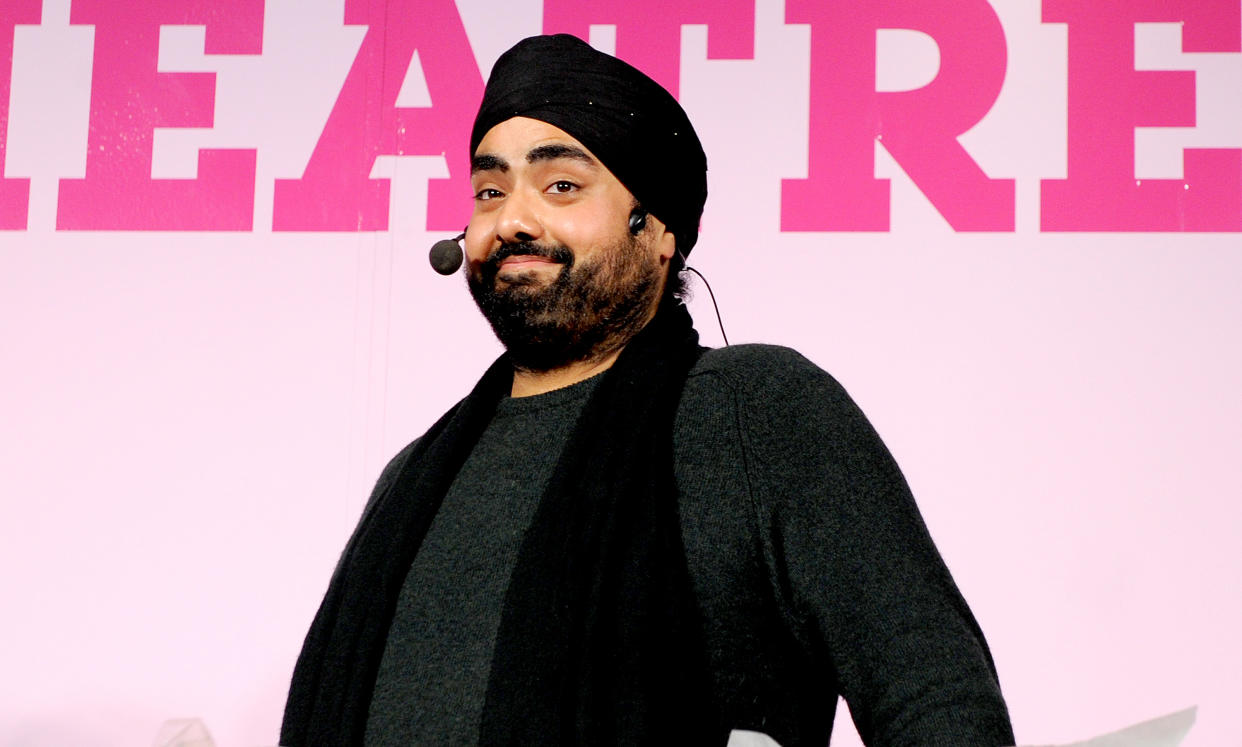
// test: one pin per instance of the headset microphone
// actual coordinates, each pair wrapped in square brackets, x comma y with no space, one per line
[446,255]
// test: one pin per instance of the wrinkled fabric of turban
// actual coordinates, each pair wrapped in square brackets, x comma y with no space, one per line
[632,125]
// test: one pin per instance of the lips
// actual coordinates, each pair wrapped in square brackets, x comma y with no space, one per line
[529,249]
[525,255]
[519,261]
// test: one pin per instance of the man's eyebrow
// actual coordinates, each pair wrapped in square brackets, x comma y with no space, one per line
[554,151]
[488,162]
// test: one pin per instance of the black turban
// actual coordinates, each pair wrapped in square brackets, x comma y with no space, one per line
[635,127]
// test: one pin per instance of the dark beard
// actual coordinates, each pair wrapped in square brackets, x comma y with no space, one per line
[591,309]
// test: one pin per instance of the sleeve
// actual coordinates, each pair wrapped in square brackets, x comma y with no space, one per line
[848,553]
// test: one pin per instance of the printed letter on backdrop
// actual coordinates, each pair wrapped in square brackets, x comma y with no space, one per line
[649,33]
[129,99]
[336,192]
[1108,98]
[919,128]
[14,193]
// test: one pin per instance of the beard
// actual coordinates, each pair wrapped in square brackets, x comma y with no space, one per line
[589,310]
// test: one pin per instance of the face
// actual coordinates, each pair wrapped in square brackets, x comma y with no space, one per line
[550,258]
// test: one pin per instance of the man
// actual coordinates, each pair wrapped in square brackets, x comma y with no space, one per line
[619,537]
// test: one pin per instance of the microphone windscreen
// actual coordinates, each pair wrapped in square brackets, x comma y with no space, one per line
[446,256]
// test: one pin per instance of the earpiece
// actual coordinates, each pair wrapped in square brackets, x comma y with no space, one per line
[638,221]
[446,255]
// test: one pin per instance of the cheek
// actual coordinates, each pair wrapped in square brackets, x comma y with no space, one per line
[584,229]
[477,243]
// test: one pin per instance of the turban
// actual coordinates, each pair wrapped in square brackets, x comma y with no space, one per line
[634,127]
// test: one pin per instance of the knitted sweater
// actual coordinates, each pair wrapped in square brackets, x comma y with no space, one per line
[812,568]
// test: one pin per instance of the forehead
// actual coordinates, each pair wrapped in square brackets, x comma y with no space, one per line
[514,139]
[517,130]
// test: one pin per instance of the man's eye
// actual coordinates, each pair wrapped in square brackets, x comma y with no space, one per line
[562,187]
[487,194]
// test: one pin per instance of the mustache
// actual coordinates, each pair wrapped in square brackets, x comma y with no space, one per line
[558,253]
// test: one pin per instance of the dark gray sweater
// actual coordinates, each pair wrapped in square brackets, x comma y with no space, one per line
[814,572]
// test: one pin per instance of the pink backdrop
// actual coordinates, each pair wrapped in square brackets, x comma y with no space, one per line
[1011,230]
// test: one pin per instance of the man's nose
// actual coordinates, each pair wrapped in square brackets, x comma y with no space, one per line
[518,220]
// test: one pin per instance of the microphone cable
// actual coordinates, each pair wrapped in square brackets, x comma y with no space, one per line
[712,296]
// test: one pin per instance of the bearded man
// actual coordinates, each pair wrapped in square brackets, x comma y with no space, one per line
[620,537]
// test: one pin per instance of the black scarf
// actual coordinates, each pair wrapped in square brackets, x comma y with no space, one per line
[599,640]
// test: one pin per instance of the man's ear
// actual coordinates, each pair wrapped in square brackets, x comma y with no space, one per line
[664,242]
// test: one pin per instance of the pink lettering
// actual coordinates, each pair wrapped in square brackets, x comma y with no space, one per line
[129,99]
[14,193]
[649,33]
[336,192]
[919,128]
[1108,98]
